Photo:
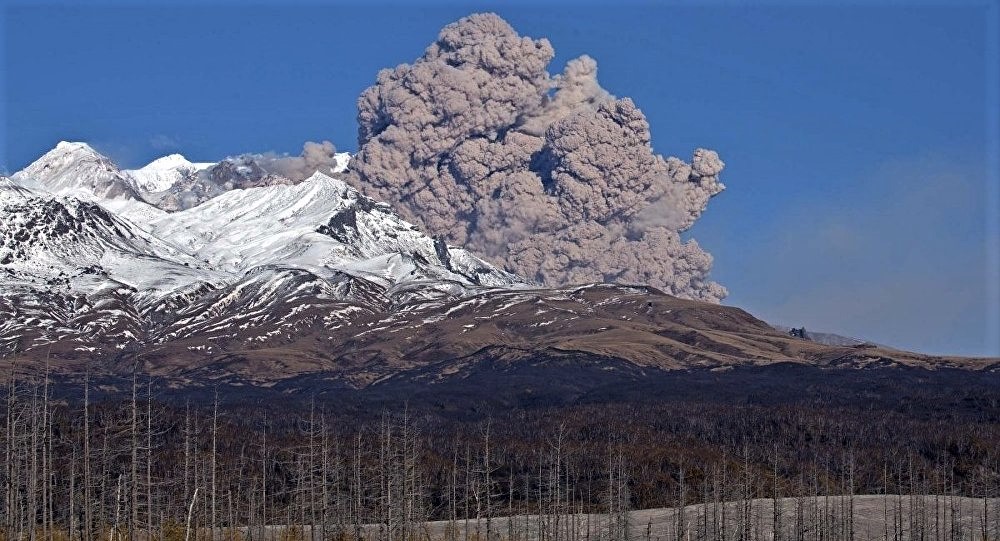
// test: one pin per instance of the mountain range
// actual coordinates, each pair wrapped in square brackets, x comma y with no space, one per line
[226,272]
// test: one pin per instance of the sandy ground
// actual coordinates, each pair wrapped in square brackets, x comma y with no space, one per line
[897,518]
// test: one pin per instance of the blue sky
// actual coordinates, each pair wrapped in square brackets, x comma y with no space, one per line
[860,139]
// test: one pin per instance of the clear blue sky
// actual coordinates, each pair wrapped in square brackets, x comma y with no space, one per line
[860,140]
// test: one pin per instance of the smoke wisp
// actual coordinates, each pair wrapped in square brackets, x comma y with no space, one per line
[551,177]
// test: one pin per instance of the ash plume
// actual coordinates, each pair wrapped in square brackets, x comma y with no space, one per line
[314,157]
[551,177]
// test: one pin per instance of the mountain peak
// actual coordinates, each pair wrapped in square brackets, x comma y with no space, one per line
[66,153]
[172,161]
[75,151]
[76,169]
[74,146]
[165,173]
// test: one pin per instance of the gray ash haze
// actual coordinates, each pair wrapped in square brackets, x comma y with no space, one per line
[314,157]
[247,171]
[548,175]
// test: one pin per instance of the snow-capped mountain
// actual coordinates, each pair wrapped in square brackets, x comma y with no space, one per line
[163,173]
[79,234]
[230,272]
[169,183]
[76,169]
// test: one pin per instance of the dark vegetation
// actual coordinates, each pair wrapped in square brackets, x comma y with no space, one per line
[128,459]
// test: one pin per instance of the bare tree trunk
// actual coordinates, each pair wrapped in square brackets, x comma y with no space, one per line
[88,497]
[71,526]
[215,431]
[45,443]
[149,459]
[187,529]
[134,477]
[33,479]
[453,500]
[324,473]
[357,499]
[776,523]
[9,496]
[263,484]
[118,500]
[488,480]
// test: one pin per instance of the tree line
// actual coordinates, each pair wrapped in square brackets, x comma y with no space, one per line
[141,466]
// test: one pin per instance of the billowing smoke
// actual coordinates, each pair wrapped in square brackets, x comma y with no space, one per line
[315,157]
[550,177]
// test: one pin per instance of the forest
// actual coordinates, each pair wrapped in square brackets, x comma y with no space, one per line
[147,463]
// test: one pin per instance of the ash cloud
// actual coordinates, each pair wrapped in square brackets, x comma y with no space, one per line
[551,177]
[314,157]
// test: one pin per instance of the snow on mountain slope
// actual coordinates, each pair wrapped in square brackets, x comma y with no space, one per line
[275,301]
[163,173]
[92,268]
[76,169]
[169,183]
[12,192]
[80,243]
[323,225]
[320,224]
